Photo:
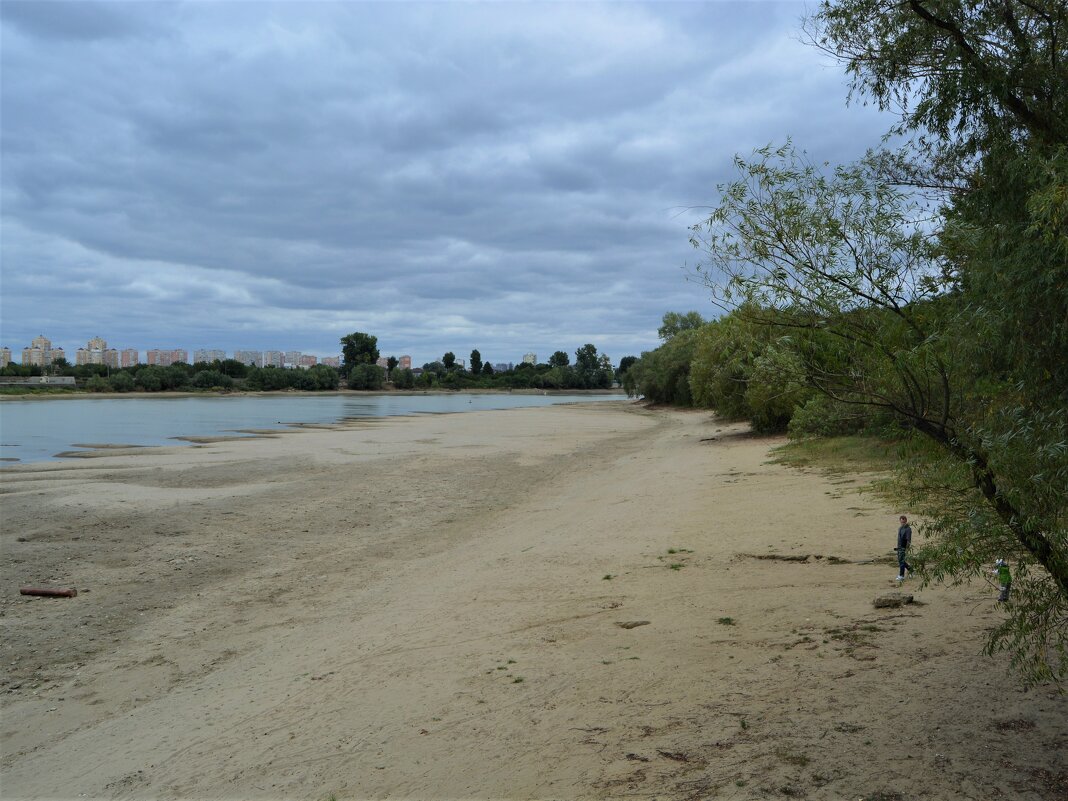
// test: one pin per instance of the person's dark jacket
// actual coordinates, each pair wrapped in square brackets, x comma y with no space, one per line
[904,536]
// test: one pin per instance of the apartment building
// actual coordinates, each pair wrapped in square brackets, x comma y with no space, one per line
[5,357]
[307,360]
[274,358]
[40,353]
[252,358]
[208,355]
[331,361]
[97,352]
[165,358]
[129,357]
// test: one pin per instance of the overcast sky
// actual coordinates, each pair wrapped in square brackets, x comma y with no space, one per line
[446,176]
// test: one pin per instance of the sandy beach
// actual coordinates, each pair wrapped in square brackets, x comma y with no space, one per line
[588,601]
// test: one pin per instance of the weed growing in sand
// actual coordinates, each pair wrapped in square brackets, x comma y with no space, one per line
[679,550]
[511,662]
[745,724]
[741,783]
[793,759]
[675,566]
[607,577]
[726,621]
[517,680]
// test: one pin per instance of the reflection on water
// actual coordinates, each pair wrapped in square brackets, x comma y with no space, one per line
[34,430]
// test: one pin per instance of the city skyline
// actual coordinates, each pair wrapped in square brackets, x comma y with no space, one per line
[504,177]
[123,356]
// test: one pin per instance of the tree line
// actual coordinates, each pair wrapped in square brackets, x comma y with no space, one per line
[360,370]
[225,374]
[920,292]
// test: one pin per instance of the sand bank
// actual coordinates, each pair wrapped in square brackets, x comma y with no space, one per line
[561,602]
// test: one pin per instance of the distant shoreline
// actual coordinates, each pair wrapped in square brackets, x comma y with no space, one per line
[47,396]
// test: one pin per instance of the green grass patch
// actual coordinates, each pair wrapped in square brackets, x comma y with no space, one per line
[840,454]
[726,621]
[792,759]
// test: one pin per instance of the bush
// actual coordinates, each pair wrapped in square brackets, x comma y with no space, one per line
[821,416]
[97,384]
[149,379]
[122,382]
[367,377]
[211,379]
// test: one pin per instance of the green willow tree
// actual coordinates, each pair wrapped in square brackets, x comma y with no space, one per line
[955,320]
[982,87]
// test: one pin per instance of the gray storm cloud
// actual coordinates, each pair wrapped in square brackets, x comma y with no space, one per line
[506,177]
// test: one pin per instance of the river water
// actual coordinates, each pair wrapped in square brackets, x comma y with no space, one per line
[36,430]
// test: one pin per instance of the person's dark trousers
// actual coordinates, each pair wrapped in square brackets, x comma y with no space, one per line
[902,565]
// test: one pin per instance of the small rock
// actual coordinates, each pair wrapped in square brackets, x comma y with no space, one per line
[892,599]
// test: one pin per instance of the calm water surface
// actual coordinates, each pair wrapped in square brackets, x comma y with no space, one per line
[39,429]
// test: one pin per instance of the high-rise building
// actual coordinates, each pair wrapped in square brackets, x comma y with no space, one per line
[274,358]
[97,352]
[405,362]
[503,367]
[129,357]
[530,358]
[165,358]
[209,355]
[41,353]
[5,357]
[293,358]
[253,358]
[307,360]
[331,361]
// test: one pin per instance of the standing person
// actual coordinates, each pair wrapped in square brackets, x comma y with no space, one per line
[904,541]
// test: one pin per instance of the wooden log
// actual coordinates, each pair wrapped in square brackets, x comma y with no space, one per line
[49,592]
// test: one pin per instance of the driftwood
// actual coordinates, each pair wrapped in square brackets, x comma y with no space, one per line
[49,592]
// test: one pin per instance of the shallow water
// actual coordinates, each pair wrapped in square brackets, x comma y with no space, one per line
[36,430]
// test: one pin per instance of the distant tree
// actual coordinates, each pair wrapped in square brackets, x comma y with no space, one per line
[487,368]
[404,379]
[149,379]
[176,376]
[476,362]
[449,360]
[559,359]
[97,384]
[367,377]
[89,370]
[391,365]
[122,382]
[625,363]
[586,358]
[211,379]
[230,367]
[675,323]
[325,376]
[358,348]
